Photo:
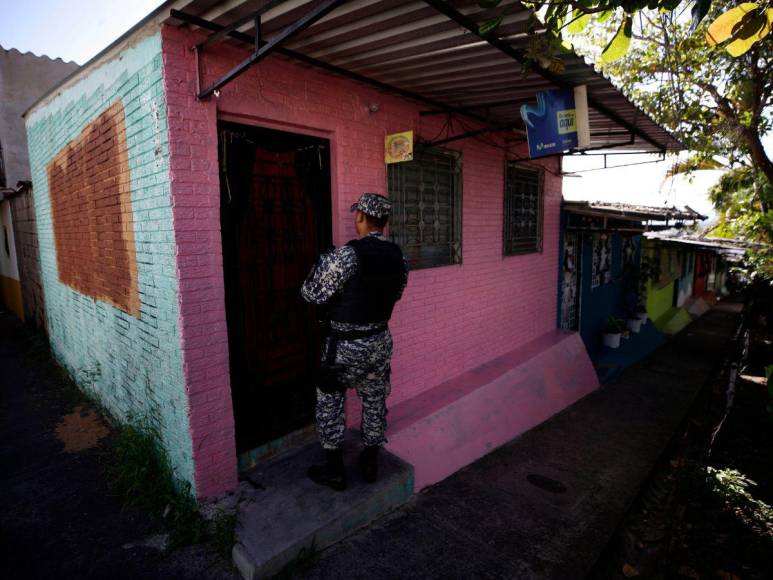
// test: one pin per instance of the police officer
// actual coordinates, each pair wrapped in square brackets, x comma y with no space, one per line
[359,283]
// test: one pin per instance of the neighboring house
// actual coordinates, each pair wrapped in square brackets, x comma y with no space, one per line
[694,271]
[175,231]
[23,78]
[599,275]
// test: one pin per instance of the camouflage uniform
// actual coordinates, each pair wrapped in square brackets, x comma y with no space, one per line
[366,361]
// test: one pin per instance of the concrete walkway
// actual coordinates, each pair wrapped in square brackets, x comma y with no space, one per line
[59,520]
[546,504]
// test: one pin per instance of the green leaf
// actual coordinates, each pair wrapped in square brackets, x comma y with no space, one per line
[751,29]
[620,42]
[490,26]
[722,28]
[604,15]
[579,23]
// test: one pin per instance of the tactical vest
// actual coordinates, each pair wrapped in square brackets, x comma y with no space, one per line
[370,295]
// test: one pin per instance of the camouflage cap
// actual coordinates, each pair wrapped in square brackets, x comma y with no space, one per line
[373,204]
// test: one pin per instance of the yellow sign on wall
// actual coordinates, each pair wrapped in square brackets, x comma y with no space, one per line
[398,147]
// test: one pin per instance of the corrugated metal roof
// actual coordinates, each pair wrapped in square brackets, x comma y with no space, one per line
[632,212]
[412,46]
[731,245]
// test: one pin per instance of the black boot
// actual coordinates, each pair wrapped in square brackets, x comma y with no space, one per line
[369,463]
[331,473]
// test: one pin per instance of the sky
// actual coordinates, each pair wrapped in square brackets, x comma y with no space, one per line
[77,30]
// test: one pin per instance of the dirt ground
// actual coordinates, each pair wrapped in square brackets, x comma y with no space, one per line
[700,516]
[59,520]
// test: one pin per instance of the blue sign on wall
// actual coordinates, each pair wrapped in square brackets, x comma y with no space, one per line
[551,126]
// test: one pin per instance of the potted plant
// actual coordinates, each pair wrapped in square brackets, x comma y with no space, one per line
[641,313]
[613,332]
[634,323]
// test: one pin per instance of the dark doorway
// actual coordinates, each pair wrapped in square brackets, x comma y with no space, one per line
[276,219]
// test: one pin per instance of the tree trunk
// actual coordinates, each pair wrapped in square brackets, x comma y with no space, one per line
[760,159]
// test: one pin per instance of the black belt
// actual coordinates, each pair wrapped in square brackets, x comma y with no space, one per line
[356,334]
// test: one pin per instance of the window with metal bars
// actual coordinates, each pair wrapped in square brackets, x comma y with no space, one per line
[523,210]
[427,207]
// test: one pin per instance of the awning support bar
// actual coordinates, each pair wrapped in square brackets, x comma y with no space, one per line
[296,27]
[473,133]
[246,38]
[226,30]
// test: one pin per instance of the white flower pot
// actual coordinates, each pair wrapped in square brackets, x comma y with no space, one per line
[642,316]
[612,340]
[634,325]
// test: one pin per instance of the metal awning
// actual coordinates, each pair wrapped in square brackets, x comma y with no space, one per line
[631,212]
[733,249]
[425,50]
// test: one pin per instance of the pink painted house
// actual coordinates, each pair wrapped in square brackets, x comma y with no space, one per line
[251,155]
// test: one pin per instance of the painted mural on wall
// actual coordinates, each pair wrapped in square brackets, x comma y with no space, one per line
[602,260]
[92,215]
[629,254]
[570,302]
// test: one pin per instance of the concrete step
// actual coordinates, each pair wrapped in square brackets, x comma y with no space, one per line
[450,426]
[291,516]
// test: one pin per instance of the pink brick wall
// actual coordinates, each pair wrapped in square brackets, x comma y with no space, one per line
[451,319]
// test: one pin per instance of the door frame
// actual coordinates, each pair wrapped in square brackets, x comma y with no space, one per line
[252,457]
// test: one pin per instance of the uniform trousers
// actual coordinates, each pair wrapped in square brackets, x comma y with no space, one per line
[366,368]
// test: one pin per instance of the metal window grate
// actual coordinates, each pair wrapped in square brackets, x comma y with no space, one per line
[523,210]
[426,208]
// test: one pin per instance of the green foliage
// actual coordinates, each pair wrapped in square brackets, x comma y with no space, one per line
[743,197]
[223,534]
[620,42]
[742,26]
[732,487]
[139,472]
[614,325]
[717,105]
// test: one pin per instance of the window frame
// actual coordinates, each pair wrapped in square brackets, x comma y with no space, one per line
[397,196]
[538,247]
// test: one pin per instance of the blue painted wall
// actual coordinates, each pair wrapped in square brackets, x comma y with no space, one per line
[615,298]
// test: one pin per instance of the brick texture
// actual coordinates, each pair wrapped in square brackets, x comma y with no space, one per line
[26,239]
[90,192]
[450,320]
[121,345]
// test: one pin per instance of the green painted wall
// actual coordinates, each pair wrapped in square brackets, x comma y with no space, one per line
[659,300]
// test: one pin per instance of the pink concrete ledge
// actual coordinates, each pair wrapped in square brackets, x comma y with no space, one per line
[451,425]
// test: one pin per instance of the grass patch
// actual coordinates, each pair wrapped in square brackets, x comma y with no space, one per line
[136,467]
[139,472]
[733,490]
[222,534]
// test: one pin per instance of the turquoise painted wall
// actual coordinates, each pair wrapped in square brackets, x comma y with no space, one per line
[131,364]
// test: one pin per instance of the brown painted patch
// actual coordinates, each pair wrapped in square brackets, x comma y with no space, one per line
[90,189]
[81,429]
